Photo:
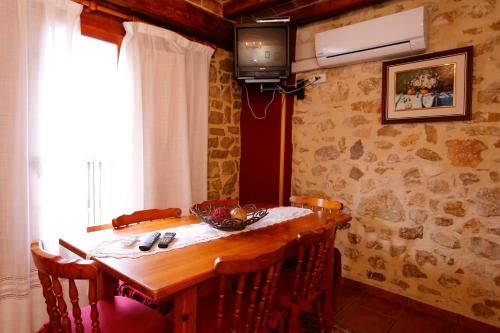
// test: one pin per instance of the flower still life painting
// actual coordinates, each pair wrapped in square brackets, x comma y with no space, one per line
[430,87]
[425,88]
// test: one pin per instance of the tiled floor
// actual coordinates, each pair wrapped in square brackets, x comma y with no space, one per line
[360,312]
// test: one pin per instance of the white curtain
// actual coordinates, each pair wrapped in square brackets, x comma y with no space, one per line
[169,94]
[35,65]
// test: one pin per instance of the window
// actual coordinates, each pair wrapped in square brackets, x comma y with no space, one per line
[89,144]
[97,81]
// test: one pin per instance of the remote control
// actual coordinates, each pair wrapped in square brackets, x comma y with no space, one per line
[148,242]
[166,239]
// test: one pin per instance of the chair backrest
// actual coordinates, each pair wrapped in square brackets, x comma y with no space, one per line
[311,263]
[99,227]
[145,215]
[50,269]
[316,204]
[261,273]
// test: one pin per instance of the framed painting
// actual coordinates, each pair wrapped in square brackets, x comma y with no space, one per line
[428,87]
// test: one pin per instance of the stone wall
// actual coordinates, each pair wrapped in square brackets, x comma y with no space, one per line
[224,128]
[425,198]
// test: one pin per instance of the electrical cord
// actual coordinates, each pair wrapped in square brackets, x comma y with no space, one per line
[250,107]
[272,98]
[295,90]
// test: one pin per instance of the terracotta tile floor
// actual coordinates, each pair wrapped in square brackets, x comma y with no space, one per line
[358,312]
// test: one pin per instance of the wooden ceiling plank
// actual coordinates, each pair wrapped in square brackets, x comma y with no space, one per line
[180,16]
[235,8]
[325,9]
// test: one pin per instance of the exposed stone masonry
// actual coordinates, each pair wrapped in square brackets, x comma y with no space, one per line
[425,198]
[224,128]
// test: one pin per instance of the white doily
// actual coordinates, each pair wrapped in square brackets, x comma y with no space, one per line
[190,234]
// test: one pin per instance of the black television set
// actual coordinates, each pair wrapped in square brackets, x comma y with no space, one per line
[261,51]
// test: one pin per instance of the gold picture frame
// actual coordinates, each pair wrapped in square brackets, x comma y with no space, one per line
[428,87]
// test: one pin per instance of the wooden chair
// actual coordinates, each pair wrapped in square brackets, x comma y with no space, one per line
[124,289]
[330,206]
[317,204]
[145,215]
[245,298]
[99,227]
[305,287]
[117,314]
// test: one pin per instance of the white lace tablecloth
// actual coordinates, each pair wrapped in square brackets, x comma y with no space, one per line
[190,234]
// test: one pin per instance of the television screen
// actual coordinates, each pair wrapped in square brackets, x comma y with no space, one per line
[261,51]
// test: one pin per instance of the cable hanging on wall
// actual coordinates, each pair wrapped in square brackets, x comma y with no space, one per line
[274,88]
[280,88]
[265,109]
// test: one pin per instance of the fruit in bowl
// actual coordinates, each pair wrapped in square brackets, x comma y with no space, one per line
[221,213]
[239,214]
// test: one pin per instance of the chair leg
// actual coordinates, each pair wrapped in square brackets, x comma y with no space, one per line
[337,267]
[328,312]
[294,320]
[278,322]
[321,317]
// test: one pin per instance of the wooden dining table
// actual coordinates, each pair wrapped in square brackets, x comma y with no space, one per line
[184,274]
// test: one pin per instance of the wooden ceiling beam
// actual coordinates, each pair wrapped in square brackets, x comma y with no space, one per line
[325,9]
[180,16]
[102,26]
[234,8]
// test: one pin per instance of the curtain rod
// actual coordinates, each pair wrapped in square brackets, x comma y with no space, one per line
[93,6]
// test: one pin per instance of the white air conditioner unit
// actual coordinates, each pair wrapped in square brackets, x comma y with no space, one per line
[396,34]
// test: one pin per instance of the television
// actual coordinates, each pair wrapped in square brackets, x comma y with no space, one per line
[261,51]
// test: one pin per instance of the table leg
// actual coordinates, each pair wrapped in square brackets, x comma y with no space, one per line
[185,310]
[106,285]
[329,313]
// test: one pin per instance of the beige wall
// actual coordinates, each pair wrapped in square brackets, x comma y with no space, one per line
[224,128]
[425,198]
